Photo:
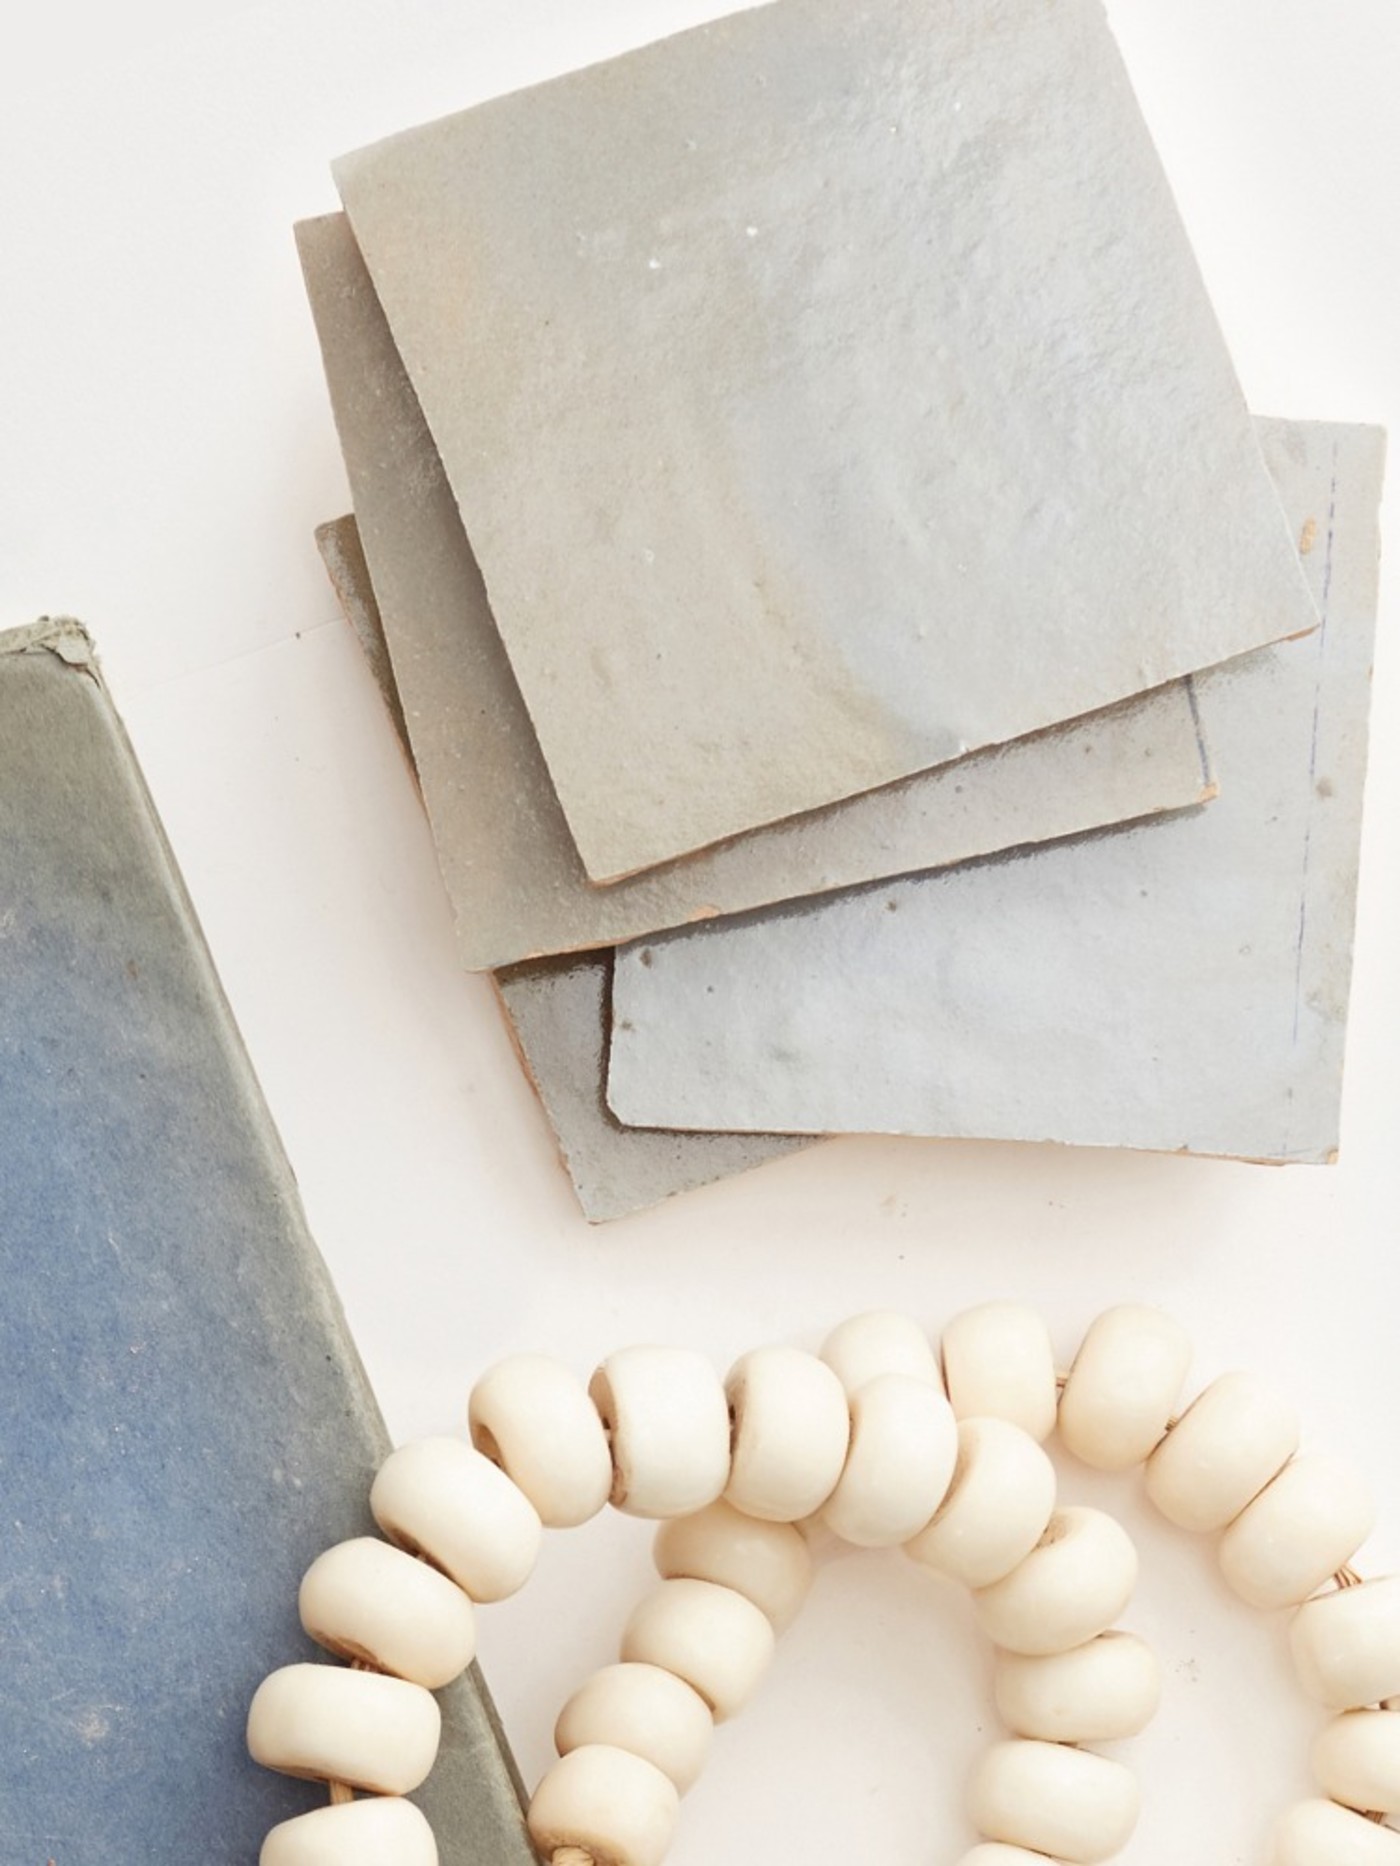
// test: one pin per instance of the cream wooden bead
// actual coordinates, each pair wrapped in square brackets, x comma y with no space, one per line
[1346,1646]
[882,1341]
[1231,1441]
[1095,1693]
[999,1363]
[645,1710]
[790,1433]
[337,1725]
[1319,1833]
[1123,1387]
[668,1421]
[1053,1799]
[366,1600]
[439,1498]
[998,1504]
[769,1563]
[1072,1586]
[1301,1529]
[904,1446]
[718,1642]
[993,1853]
[1356,1759]
[533,1417]
[356,1833]
[616,1808]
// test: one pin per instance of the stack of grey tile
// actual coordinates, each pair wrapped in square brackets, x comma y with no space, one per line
[865,668]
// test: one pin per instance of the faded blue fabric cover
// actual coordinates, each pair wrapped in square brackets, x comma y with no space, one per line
[183,1421]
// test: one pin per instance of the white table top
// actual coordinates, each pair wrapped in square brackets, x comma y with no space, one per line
[165,451]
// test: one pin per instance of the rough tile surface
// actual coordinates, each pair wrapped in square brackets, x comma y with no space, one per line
[1181,985]
[557,1013]
[513,874]
[342,553]
[828,391]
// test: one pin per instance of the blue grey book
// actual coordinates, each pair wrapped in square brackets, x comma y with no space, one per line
[184,1423]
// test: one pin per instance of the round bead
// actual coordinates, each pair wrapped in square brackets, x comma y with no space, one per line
[880,1342]
[642,1709]
[1319,1833]
[904,1445]
[1095,1693]
[999,1363]
[1051,1799]
[532,1416]
[997,1507]
[441,1499]
[993,1853]
[1072,1586]
[356,1833]
[1123,1387]
[337,1725]
[713,1638]
[1298,1531]
[1356,1759]
[768,1563]
[365,1600]
[790,1433]
[615,1807]
[668,1421]
[1220,1454]
[1346,1646]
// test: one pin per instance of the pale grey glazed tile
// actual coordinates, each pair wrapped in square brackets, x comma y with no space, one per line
[514,877]
[1180,985]
[827,391]
[557,1013]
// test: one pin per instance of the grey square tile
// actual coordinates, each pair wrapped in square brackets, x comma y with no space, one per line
[828,391]
[1181,985]
[514,877]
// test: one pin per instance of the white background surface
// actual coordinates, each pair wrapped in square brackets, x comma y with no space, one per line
[165,450]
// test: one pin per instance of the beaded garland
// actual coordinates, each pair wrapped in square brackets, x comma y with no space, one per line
[889,1444]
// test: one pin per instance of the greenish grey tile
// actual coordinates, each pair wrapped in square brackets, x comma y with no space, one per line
[557,1012]
[828,391]
[508,861]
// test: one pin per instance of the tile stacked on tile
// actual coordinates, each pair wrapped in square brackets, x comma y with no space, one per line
[1179,986]
[798,456]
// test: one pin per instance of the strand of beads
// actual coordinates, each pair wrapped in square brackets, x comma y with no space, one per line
[887,1447]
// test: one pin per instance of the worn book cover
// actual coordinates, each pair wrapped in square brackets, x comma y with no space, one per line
[184,1424]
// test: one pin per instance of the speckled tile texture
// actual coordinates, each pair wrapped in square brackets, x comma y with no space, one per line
[508,861]
[338,541]
[1179,985]
[827,391]
[558,1010]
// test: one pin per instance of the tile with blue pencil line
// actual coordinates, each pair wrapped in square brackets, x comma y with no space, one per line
[1179,986]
